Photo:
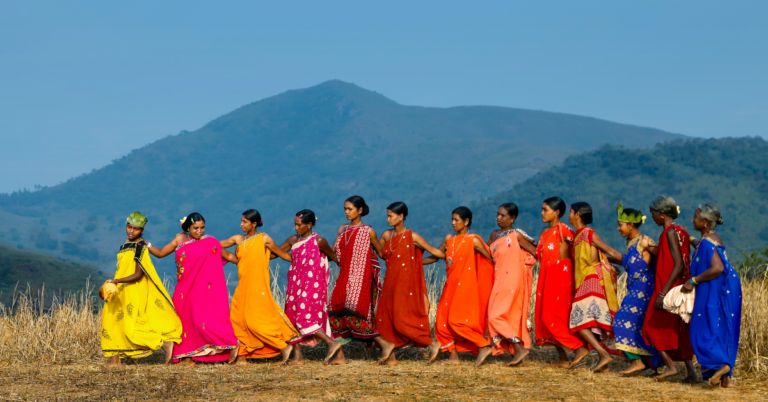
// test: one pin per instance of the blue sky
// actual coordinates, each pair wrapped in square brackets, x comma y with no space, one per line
[83,83]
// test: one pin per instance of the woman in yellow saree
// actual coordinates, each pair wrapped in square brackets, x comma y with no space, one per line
[140,317]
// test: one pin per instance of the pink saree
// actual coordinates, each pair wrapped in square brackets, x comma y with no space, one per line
[202,302]
[306,298]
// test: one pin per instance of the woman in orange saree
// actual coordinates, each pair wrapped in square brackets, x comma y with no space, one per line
[463,308]
[513,255]
[402,315]
[554,290]
[261,326]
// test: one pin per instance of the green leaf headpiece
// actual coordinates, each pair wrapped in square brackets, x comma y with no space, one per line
[628,218]
[137,219]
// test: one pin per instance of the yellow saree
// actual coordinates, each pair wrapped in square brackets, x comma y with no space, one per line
[141,317]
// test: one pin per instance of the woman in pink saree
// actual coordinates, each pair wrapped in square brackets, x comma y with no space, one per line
[201,298]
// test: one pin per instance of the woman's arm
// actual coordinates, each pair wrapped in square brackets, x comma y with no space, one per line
[673,240]
[135,276]
[270,244]
[168,248]
[419,242]
[433,259]
[234,240]
[526,244]
[715,269]
[480,247]
[602,246]
[375,243]
[230,257]
[326,249]
[492,237]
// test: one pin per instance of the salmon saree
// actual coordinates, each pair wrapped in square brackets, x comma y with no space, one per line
[663,330]
[511,294]
[554,290]
[402,314]
[595,303]
[463,308]
[357,288]
[202,302]
[140,318]
[306,300]
[259,324]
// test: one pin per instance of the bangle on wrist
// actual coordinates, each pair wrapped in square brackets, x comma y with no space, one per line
[662,294]
[692,238]
[116,281]
[693,280]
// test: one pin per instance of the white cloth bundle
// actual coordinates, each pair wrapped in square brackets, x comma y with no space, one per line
[677,302]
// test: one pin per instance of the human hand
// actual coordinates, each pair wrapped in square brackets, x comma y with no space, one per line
[659,305]
[687,287]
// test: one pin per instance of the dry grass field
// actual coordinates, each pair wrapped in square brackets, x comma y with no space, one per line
[54,354]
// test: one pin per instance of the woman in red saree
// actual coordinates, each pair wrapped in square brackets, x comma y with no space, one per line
[554,290]
[513,254]
[463,308]
[357,289]
[665,331]
[402,315]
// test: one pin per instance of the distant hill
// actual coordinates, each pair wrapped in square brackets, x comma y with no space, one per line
[308,148]
[730,172]
[34,269]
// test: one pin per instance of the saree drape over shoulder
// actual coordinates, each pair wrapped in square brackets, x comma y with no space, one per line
[306,300]
[511,295]
[202,302]
[663,330]
[141,317]
[554,290]
[716,319]
[402,314]
[628,324]
[357,288]
[463,308]
[595,303]
[259,324]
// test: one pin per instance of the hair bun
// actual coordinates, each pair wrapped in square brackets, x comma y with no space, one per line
[365,210]
[719,221]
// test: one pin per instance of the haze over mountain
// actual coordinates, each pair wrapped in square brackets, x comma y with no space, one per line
[728,172]
[308,148]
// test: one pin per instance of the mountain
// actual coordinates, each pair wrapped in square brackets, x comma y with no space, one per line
[728,172]
[309,148]
[38,270]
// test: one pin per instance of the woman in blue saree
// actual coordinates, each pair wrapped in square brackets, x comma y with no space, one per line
[716,317]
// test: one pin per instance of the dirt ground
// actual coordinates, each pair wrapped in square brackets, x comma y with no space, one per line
[412,379]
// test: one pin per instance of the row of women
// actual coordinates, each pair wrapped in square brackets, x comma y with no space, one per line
[483,308]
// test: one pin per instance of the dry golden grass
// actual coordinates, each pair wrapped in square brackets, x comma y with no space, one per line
[54,354]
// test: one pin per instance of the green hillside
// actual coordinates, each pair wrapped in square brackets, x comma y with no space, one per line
[33,269]
[308,148]
[729,172]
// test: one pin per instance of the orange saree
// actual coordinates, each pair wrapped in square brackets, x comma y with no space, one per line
[259,323]
[463,308]
[402,314]
[511,294]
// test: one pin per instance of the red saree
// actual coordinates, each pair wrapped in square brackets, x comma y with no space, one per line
[663,330]
[402,314]
[463,308]
[554,290]
[357,288]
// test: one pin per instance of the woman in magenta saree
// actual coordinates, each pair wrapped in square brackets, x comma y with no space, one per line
[201,296]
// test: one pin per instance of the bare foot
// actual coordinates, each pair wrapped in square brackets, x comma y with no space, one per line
[726,382]
[602,365]
[337,361]
[187,361]
[333,347]
[519,356]
[114,361]
[581,353]
[233,354]
[386,350]
[561,364]
[635,366]
[453,359]
[286,351]
[715,379]
[434,349]
[668,372]
[241,361]
[482,354]
[168,350]
[392,361]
